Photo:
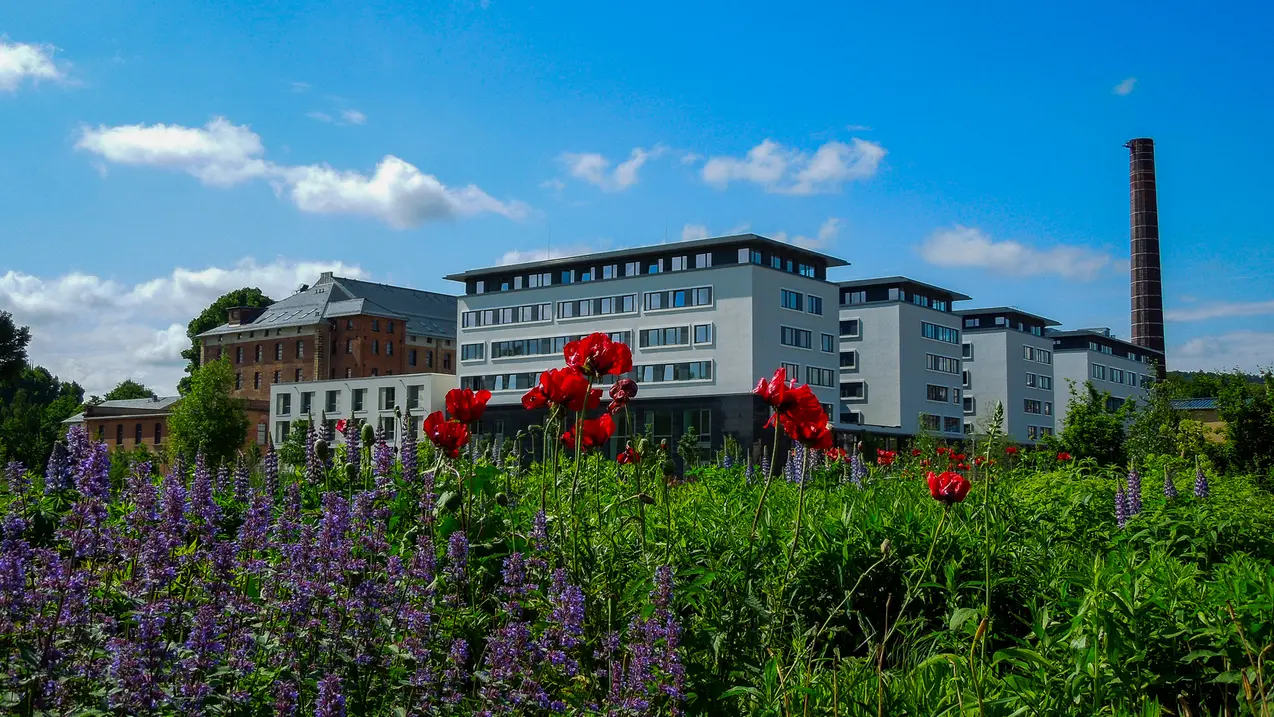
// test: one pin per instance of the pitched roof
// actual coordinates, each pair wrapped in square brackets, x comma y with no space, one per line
[160,405]
[1194,404]
[422,312]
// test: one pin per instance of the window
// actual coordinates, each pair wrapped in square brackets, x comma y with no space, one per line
[654,266]
[632,268]
[1044,356]
[387,425]
[284,401]
[238,354]
[545,346]
[349,372]
[610,271]
[939,333]
[937,393]
[413,397]
[950,425]
[703,261]
[159,432]
[1046,382]
[1116,375]
[1030,380]
[968,405]
[376,346]
[791,370]
[799,338]
[848,416]
[815,376]
[703,333]
[332,402]
[472,352]
[1099,371]
[815,305]
[536,281]
[429,358]
[849,359]
[390,327]
[659,423]
[567,276]
[389,348]
[1031,405]
[964,375]
[358,397]
[258,353]
[276,377]
[966,351]
[500,382]
[688,371]
[626,304]
[137,434]
[942,364]
[672,336]
[281,432]
[375,324]
[1032,433]
[238,381]
[853,389]
[349,323]
[1048,408]
[1028,353]
[278,351]
[507,315]
[828,343]
[446,361]
[300,375]
[930,422]
[678,298]
[307,402]
[411,357]
[387,398]
[850,328]
[679,263]
[793,300]
[699,420]
[256,379]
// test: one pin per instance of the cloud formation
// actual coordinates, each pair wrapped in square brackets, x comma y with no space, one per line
[782,170]
[1250,351]
[595,169]
[690,232]
[98,331]
[22,61]
[969,247]
[1126,87]
[1220,310]
[827,233]
[518,256]
[222,154]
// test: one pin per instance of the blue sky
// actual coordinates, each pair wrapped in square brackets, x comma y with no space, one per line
[157,154]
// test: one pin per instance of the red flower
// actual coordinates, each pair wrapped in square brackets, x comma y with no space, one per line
[884,457]
[466,406]
[796,407]
[628,456]
[942,450]
[592,432]
[449,436]
[814,435]
[915,451]
[620,394]
[836,455]
[596,355]
[773,390]
[1011,450]
[563,387]
[978,460]
[948,486]
[962,466]
[340,425]
[1063,456]
[924,463]
[957,457]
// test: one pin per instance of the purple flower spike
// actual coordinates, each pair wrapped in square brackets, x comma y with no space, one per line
[1134,492]
[1169,488]
[330,703]
[1201,489]
[1121,507]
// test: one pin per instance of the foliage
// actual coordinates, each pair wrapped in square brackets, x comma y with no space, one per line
[210,318]
[13,347]
[1094,429]
[128,389]
[32,408]
[292,452]
[688,448]
[1203,384]
[1248,412]
[208,419]
[1153,424]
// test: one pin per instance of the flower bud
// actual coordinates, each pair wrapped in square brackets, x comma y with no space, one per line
[645,498]
[369,435]
[885,546]
[351,471]
[320,449]
[501,498]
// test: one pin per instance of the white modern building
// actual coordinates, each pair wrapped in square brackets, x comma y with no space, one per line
[1114,366]
[1008,360]
[899,359]
[705,320]
[369,400]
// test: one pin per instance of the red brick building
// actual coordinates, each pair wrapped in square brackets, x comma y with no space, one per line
[337,328]
[137,422]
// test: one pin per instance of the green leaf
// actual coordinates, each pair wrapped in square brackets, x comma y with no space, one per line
[960,616]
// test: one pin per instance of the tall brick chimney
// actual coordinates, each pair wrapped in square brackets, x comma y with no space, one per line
[1147,280]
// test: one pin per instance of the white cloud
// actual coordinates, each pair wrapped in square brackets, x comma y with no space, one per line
[691,232]
[553,185]
[222,154]
[519,256]
[98,331]
[691,158]
[962,246]
[827,233]
[1221,310]
[299,87]
[857,128]
[353,116]
[595,169]
[320,116]
[1250,351]
[782,170]
[1126,87]
[19,61]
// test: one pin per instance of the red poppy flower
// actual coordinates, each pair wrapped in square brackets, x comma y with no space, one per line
[915,451]
[1063,456]
[629,456]
[773,390]
[978,460]
[448,436]
[884,457]
[942,450]
[620,394]
[592,432]
[957,457]
[836,455]
[466,406]
[563,387]
[814,435]
[1011,450]
[597,355]
[340,425]
[962,466]
[948,486]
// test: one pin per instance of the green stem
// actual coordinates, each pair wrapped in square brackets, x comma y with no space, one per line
[769,476]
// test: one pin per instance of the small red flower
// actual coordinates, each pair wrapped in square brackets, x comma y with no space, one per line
[592,432]
[597,355]
[620,394]
[448,436]
[957,457]
[817,436]
[962,466]
[836,455]
[924,463]
[340,425]
[1011,450]
[915,451]
[948,486]
[942,450]
[884,457]
[629,456]
[563,387]
[978,460]
[1063,456]
[466,406]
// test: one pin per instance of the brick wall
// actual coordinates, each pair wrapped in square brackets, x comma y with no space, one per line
[121,432]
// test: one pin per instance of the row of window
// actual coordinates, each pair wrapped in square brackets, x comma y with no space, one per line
[675,336]
[939,333]
[1030,353]
[507,315]
[1032,405]
[851,328]
[796,301]
[941,394]
[645,373]
[604,306]
[531,347]
[976,322]
[606,271]
[862,296]
[752,256]
[137,433]
[1039,381]
[946,424]
[1117,375]
[278,351]
[1035,433]
[942,364]
[358,398]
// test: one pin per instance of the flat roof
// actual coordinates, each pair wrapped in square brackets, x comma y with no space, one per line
[1100,334]
[1007,310]
[957,296]
[688,246]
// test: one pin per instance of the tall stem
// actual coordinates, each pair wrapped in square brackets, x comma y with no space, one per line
[769,476]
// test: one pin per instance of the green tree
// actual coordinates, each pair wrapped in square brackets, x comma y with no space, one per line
[1095,426]
[208,418]
[211,318]
[1248,412]
[1153,426]
[127,389]
[13,347]
[32,408]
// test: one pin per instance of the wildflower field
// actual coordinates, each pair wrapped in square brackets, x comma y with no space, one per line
[458,576]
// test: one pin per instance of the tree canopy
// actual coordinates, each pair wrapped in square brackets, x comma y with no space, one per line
[208,418]
[1095,426]
[32,408]
[13,347]
[128,388]
[211,318]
